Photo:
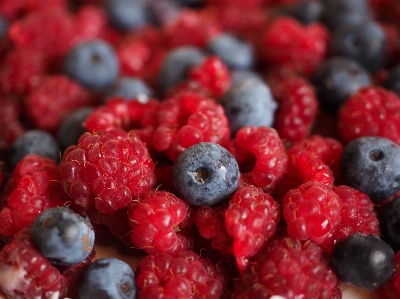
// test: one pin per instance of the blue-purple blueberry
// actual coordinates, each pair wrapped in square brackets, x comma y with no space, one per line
[389,224]
[129,88]
[126,14]
[306,12]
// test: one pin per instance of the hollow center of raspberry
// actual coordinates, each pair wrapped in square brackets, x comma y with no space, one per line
[200,175]
[376,155]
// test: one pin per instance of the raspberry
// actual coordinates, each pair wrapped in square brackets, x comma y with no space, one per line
[14,9]
[185,276]
[372,111]
[90,23]
[357,213]
[186,119]
[56,96]
[391,290]
[288,43]
[297,108]
[155,218]
[288,268]
[105,169]
[21,70]
[263,145]
[251,220]
[11,127]
[33,188]
[312,212]
[25,273]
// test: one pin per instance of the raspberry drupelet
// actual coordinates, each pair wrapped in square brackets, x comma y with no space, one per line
[105,169]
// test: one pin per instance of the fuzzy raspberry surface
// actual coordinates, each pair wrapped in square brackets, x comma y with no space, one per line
[105,169]
[11,126]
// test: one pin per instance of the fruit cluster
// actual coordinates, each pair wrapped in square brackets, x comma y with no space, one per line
[241,149]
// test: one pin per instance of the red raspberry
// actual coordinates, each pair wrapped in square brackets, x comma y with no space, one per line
[25,273]
[106,169]
[16,8]
[192,27]
[185,276]
[251,220]
[288,268]
[11,127]
[288,43]
[265,147]
[372,111]
[186,119]
[298,106]
[357,213]
[312,212]
[33,188]
[156,218]
[90,23]
[56,96]
[391,289]
[21,70]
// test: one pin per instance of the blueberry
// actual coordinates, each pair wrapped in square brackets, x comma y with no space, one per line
[94,64]
[364,261]
[108,278]
[177,63]
[205,174]
[37,142]
[238,75]
[129,88]
[62,236]
[392,81]
[305,12]
[233,51]
[336,79]
[337,13]
[4,25]
[126,14]
[163,11]
[389,223]
[72,127]
[372,165]
[248,103]
[365,42]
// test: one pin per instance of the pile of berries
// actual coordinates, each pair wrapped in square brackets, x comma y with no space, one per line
[236,149]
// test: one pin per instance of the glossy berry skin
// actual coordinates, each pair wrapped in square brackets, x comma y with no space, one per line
[62,236]
[205,174]
[108,278]
[248,103]
[389,221]
[372,165]
[364,261]
[37,142]
[364,42]
[129,88]
[94,64]
[126,14]
[305,12]
[336,79]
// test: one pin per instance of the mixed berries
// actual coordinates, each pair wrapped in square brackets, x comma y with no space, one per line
[236,149]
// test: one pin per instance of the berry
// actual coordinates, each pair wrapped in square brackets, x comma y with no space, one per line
[238,75]
[248,103]
[62,236]
[94,64]
[11,126]
[233,51]
[4,24]
[388,223]
[372,111]
[205,174]
[392,81]
[364,261]
[390,289]
[337,79]
[105,169]
[305,12]
[126,14]
[108,277]
[130,88]
[37,142]
[372,165]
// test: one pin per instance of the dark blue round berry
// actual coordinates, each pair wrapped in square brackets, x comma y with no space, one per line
[37,142]
[305,12]
[233,51]
[4,25]
[108,278]
[336,79]
[163,12]
[372,165]
[392,82]
[364,261]
[205,174]
[365,42]
[238,75]
[62,236]
[248,103]
[177,63]
[94,64]
[129,88]
[72,127]
[389,223]
[337,13]
[126,14]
